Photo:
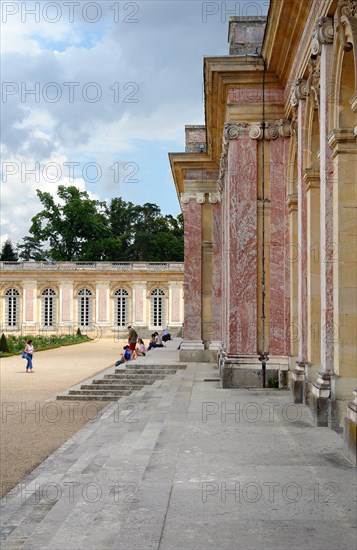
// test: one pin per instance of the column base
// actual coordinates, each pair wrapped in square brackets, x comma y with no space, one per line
[350,430]
[244,371]
[297,382]
[214,348]
[193,351]
[323,407]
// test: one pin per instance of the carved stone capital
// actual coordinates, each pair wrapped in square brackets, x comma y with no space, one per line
[233,130]
[346,23]
[299,91]
[256,131]
[313,81]
[323,34]
[198,197]
[214,198]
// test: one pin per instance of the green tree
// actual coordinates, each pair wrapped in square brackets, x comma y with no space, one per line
[8,253]
[73,230]
[31,249]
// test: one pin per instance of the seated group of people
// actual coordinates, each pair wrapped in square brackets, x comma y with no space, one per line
[140,349]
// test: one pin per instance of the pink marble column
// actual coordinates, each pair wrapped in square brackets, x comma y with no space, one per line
[216,268]
[30,305]
[66,305]
[279,238]
[302,238]
[193,267]
[242,246]
[326,214]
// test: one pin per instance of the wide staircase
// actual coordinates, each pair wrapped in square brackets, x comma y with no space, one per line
[122,382]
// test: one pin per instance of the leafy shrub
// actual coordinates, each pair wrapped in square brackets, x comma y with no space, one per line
[273,382]
[4,346]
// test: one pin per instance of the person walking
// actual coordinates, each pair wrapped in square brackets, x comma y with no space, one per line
[132,339]
[29,350]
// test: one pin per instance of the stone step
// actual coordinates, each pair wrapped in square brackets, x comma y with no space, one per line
[174,366]
[109,387]
[112,379]
[89,397]
[145,372]
[94,391]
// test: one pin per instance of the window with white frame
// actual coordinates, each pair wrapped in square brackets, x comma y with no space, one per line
[85,307]
[121,307]
[157,308]
[12,307]
[48,307]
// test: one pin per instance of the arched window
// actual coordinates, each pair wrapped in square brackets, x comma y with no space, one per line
[121,307]
[12,307]
[85,307]
[48,307]
[157,308]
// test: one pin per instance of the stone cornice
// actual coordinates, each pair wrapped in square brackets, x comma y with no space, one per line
[198,197]
[345,135]
[292,202]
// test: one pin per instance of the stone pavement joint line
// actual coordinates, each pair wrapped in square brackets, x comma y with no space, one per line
[184,464]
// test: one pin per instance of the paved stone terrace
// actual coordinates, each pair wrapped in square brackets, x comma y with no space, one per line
[171,467]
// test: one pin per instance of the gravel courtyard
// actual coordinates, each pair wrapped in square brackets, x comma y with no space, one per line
[33,423]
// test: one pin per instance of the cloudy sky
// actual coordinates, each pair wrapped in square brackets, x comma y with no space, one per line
[95,94]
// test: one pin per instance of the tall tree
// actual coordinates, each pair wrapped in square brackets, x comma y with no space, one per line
[72,230]
[82,229]
[8,253]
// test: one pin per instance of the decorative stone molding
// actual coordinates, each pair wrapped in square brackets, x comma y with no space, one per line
[198,197]
[232,130]
[313,81]
[292,202]
[346,23]
[323,34]
[299,91]
[272,129]
[223,163]
[214,198]
[312,179]
[256,131]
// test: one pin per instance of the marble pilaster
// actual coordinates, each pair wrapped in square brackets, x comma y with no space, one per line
[326,213]
[30,310]
[279,262]
[102,304]
[176,302]
[302,237]
[242,245]
[217,275]
[65,303]
[139,304]
[191,206]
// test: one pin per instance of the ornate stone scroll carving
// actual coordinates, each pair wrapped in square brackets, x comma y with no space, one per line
[323,34]
[313,81]
[272,130]
[214,198]
[223,163]
[198,197]
[299,91]
[346,23]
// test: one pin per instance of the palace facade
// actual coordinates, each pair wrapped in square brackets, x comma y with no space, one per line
[95,296]
[269,185]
